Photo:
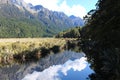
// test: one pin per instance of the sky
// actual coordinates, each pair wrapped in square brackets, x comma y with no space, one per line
[78,8]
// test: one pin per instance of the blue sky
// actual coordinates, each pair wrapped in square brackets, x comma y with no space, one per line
[87,4]
[70,7]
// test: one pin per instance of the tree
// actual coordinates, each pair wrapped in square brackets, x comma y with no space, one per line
[70,33]
[101,39]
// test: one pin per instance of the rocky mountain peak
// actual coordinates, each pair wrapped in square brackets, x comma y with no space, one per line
[5,1]
[77,20]
[11,2]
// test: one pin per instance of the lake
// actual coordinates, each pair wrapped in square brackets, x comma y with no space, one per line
[67,65]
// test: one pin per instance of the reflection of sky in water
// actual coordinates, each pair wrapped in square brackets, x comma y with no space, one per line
[71,70]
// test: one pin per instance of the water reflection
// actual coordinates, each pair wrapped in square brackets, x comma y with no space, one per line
[78,75]
[63,66]
[71,70]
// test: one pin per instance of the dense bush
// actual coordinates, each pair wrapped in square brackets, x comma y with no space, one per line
[71,33]
[101,39]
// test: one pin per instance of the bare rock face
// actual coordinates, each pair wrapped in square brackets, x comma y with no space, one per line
[5,1]
[11,2]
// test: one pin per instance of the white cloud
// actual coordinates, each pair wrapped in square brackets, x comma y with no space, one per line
[76,10]
[50,4]
[53,72]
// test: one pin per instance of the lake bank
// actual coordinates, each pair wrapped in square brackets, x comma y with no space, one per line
[31,48]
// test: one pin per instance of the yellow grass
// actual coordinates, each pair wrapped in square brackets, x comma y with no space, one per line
[18,45]
[12,46]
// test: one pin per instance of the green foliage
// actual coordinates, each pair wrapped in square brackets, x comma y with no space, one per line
[70,33]
[17,23]
[101,39]
[16,28]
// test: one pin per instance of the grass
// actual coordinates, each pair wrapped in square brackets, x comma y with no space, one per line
[14,46]
[18,45]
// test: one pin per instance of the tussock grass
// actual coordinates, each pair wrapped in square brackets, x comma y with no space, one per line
[17,45]
[13,46]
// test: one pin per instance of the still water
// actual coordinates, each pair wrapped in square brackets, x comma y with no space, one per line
[67,65]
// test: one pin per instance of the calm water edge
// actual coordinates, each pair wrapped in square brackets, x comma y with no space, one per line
[67,65]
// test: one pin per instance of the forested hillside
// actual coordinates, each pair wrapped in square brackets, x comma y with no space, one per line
[101,39]
[70,33]
[19,19]
[17,23]
[18,28]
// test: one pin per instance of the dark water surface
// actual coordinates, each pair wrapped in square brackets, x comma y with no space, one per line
[67,65]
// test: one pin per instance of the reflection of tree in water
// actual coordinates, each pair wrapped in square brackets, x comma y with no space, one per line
[36,54]
[74,45]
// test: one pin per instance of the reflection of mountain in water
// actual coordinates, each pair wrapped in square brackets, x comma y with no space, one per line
[17,72]
[77,69]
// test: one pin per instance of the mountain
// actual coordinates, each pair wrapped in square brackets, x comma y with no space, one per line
[19,19]
[77,20]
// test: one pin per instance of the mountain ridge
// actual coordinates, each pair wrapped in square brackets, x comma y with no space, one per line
[50,22]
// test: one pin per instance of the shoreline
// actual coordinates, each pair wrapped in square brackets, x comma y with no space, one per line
[30,48]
